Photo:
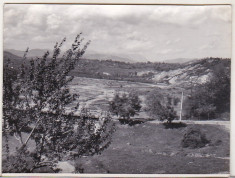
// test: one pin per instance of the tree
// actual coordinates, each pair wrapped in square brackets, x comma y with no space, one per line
[220,86]
[160,107]
[37,100]
[213,97]
[124,105]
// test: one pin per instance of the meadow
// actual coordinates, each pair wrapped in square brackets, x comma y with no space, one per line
[149,148]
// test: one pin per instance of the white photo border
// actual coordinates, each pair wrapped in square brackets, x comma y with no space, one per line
[131,2]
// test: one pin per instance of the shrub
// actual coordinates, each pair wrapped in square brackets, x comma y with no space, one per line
[174,125]
[160,107]
[194,138]
[125,106]
[130,122]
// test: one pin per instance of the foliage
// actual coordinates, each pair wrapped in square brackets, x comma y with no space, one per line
[176,101]
[130,122]
[124,105]
[37,99]
[175,125]
[117,70]
[160,107]
[194,138]
[213,97]
[22,161]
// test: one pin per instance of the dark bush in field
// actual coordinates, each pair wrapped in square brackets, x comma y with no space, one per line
[125,106]
[130,122]
[194,138]
[174,125]
[217,143]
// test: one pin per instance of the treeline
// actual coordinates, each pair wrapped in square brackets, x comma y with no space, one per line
[115,70]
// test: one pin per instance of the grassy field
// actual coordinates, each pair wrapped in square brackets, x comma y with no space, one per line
[150,148]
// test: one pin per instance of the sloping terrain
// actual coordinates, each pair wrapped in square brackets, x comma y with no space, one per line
[32,53]
[97,81]
[183,75]
[15,61]
[191,73]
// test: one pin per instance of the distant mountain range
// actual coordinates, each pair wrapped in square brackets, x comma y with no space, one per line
[91,55]
[106,57]
[31,52]
[131,58]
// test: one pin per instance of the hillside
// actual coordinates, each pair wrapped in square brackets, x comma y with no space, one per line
[8,55]
[15,61]
[31,53]
[93,55]
[195,72]
[173,74]
[96,81]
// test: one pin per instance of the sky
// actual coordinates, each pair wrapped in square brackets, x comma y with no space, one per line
[145,32]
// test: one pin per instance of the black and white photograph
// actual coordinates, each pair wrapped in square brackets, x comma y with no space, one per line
[116,89]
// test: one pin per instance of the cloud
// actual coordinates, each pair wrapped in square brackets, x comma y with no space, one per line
[173,41]
[53,21]
[154,31]
[207,46]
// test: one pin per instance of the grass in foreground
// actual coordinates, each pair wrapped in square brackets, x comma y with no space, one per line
[151,149]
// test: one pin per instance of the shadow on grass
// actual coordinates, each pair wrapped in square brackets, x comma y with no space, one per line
[130,122]
[174,125]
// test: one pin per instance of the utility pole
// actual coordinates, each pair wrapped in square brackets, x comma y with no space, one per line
[181,105]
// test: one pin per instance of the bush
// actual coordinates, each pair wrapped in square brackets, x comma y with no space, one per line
[174,125]
[160,107]
[194,138]
[125,106]
[130,122]
[217,143]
